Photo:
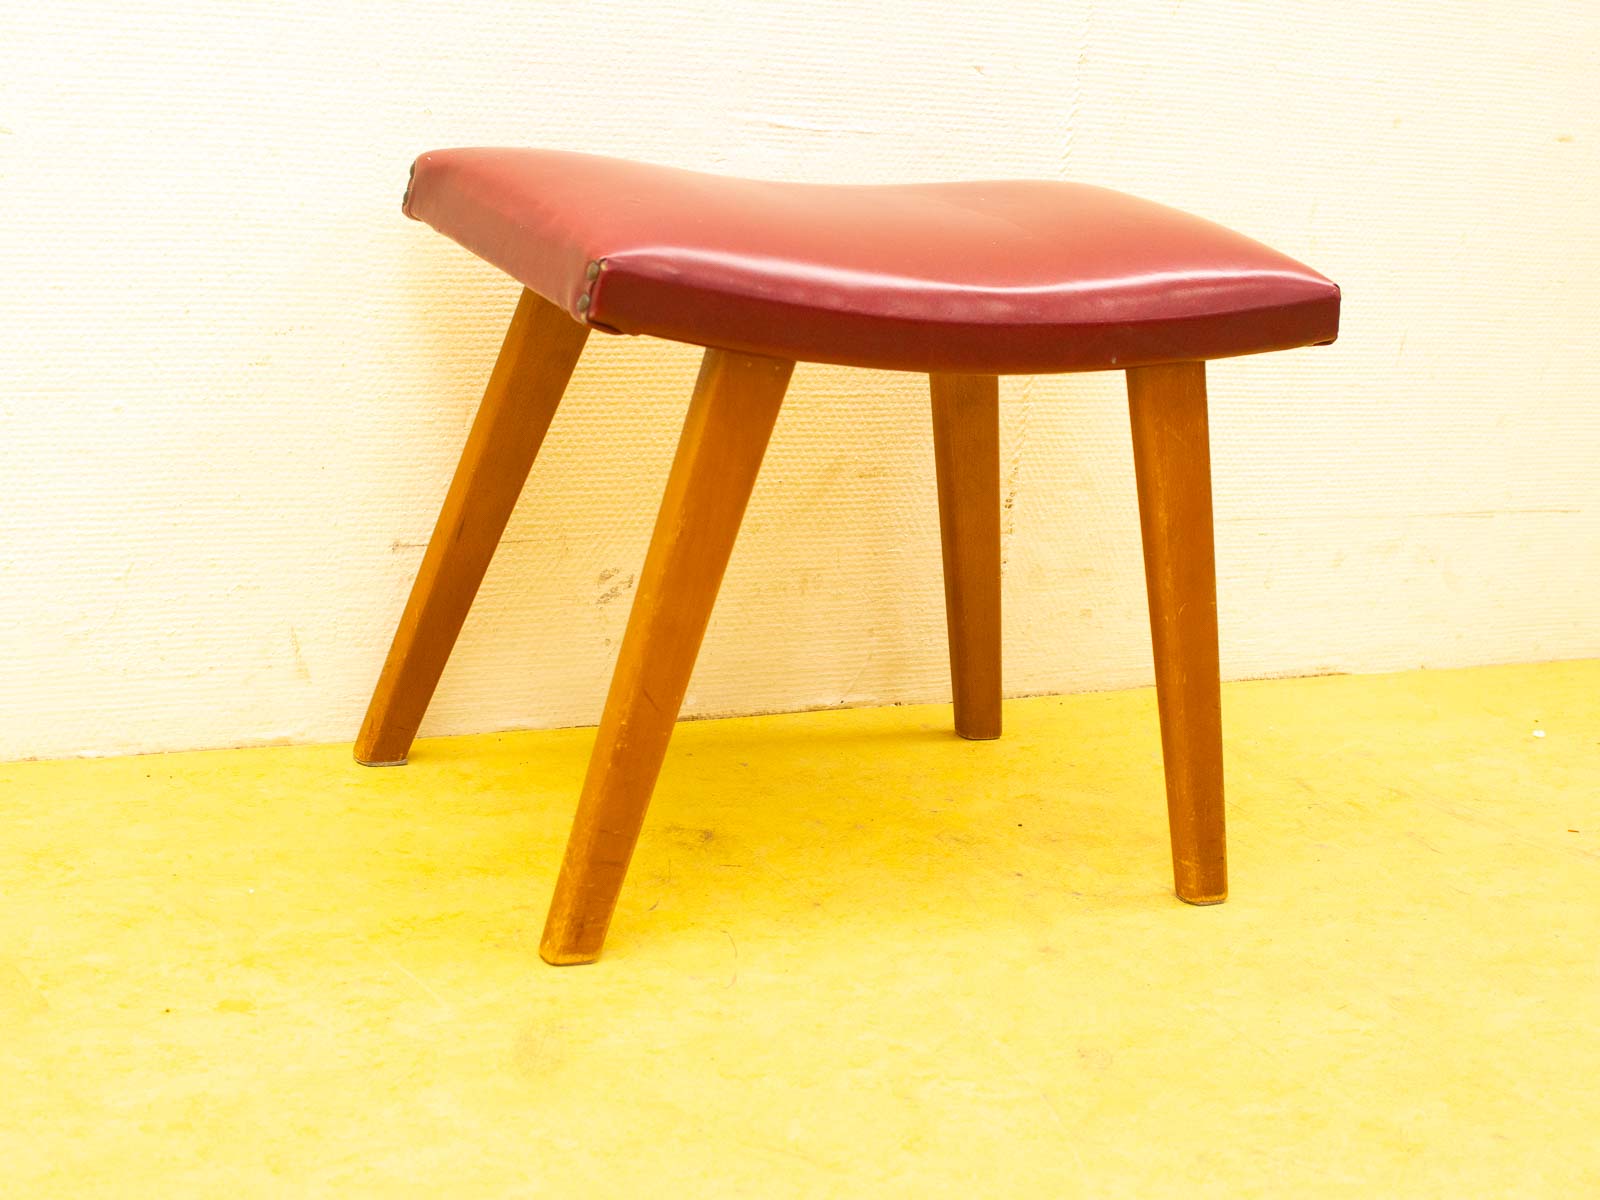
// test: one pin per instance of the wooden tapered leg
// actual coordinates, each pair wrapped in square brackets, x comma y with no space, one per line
[730,419]
[1172,461]
[966,455]
[540,350]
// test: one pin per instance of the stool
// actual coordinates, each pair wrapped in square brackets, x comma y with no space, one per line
[962,281]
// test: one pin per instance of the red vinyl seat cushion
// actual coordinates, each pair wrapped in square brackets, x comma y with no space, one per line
[1000,277]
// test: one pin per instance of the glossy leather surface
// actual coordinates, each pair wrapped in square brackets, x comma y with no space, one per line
[992,278]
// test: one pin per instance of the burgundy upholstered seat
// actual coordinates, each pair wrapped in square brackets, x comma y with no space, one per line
[985,278]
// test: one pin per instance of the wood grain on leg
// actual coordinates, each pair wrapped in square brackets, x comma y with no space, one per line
[736,401]
[540,350]
[966,453]
[1172,460]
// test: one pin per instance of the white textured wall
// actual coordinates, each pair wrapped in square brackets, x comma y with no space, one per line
[233,380]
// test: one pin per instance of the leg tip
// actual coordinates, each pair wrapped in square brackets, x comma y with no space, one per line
[978,731]
[565,943]
[379,762]
[1200,900]
[558,957]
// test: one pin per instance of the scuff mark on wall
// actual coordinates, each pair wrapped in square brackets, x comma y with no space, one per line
[301,670]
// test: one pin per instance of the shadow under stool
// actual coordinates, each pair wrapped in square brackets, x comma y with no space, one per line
[962,281]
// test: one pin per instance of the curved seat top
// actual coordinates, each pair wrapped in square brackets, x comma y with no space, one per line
[1002,277]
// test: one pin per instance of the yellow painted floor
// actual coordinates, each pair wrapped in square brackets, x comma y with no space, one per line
[857,956]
